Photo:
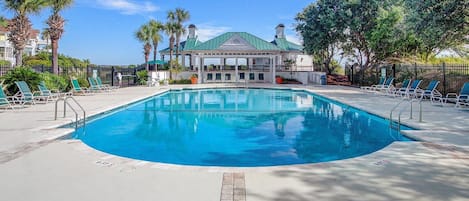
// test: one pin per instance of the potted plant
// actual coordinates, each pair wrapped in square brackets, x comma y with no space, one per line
[194,78]
[278,79]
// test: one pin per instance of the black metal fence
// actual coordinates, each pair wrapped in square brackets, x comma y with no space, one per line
[451,76]
[108,74]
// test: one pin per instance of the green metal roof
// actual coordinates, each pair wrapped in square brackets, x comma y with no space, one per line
[279,44]
[285,45]
[254,41]
[184,45]
[191,43]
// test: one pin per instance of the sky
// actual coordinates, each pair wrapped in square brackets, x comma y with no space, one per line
[103,30]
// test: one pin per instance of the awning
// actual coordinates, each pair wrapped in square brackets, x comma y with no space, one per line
[159,62]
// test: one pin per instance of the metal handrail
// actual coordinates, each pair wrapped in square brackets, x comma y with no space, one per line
[65,100]
[410,101]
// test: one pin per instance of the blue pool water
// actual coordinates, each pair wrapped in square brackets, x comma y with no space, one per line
[238,127]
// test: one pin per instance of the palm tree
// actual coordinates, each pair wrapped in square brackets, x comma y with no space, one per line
[181,16]
[143,34]
[170,28]
[20,25]
[156,37]
[56,28]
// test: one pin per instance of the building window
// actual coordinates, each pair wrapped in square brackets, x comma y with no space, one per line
[218,76]
[251,76]
[209,76]
[241,76]
[261,76]
[228,76]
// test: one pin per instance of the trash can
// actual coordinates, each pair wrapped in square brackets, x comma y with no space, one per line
[323,80]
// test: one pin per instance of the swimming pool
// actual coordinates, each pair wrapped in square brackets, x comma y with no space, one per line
[239,128]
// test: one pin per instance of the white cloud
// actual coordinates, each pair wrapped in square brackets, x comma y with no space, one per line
[128,7]
[208,31]
[294,39]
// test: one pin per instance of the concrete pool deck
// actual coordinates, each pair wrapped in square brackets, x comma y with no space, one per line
[36,165]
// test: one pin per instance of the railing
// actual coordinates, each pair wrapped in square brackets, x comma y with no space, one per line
[397,126]
[65,100]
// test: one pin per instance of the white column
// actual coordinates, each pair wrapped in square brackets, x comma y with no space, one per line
[272,69]
[199,70]
[236,70]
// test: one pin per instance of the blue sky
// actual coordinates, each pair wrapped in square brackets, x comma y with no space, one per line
[103,30]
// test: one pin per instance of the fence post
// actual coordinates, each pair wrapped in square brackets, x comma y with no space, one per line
[394,71]
[415,70]
[351,76]
[112,75]
[444,77]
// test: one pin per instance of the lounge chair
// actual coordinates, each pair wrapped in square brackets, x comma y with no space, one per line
[372,87]
[24,95]
[410,92]
[430,92]
[461,99]
[77,89]
[53,93]
[405,86]
[94,85]
[387,86]
[100,84]
[5,101]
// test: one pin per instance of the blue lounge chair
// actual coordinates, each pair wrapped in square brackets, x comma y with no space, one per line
[5,101]
[52,94]
[372,87]
[77,89]
[94,85]
[414,86]
[387,86]
[430,92]
[25,95]
[405,86]
[100,84]
[461,99]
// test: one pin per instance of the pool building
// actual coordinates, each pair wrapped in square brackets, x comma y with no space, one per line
[242,57]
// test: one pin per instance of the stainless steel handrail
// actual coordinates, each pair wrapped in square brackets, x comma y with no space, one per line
[410,101]
[66,102]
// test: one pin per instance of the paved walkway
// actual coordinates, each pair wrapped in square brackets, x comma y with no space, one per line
[35,165]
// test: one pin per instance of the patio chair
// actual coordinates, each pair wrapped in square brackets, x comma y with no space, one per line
[410,92]
[404,87]
[77,89]
[24,95]
[94,85]
[5,101]
[430,92]
[372,87]
[99,82]
[53,94]
[387,86]
[461,99]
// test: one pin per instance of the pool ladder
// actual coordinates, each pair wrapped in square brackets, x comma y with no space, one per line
[66,102]
[397,125]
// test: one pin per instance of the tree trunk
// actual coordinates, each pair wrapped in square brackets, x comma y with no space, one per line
[177,47]
[55,57]
[147,55]
[19,57]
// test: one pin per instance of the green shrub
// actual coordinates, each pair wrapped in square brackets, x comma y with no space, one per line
[57,82]
[21,74]
[142,77]
[181,81]
[5,63]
